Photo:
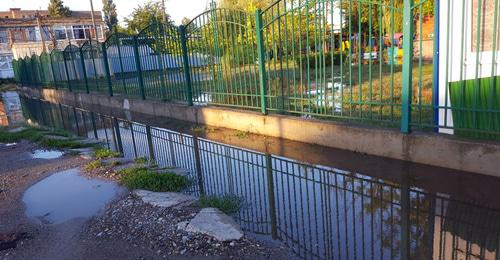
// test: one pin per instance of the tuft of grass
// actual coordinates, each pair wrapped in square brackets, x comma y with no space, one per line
[36,135]
[227,203]
[102,153]
[93,165]
[143,178]
[141,160]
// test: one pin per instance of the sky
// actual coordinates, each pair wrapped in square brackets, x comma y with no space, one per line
[177,9]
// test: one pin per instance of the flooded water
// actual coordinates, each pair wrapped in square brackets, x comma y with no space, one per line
[46,154]
[67,195]
[321,202]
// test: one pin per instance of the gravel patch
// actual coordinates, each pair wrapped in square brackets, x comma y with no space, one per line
[156,228]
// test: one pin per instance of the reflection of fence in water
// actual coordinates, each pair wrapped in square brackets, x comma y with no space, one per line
[319,212]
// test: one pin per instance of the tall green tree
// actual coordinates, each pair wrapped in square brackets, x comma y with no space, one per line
[144,15]
[56,8]
[110,15]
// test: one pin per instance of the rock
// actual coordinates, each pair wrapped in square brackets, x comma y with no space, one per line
[164,199]
[182,225]
[126,166]
[90,141]
[85,153]
[120,160]
[57,137]
[212,222]
[177,171]
[17,129]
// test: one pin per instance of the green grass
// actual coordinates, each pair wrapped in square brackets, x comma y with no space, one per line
[38,136]
[143,178]
[228,203]
[141,160]
[102,153]
[93,165]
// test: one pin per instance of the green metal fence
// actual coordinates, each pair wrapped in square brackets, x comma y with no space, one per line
[318,211]
[332,59]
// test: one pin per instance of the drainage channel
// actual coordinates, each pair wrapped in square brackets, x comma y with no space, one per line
[320,211]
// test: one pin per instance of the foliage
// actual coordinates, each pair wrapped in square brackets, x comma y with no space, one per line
[144,15]
[37,135]
[102,153]
[141,160]
[56,8]
[93,165]
[316,59]
[143,178]
[227,203]
[110,15]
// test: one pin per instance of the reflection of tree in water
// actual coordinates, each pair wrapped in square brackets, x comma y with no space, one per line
[381,204]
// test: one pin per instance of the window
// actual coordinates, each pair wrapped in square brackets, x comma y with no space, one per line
[79,32]
[3,37]
[31,34]
[60,33]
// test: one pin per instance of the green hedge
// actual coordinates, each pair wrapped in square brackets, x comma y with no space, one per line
[317,59]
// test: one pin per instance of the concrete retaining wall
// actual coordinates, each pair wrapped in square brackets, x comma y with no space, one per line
[426,148]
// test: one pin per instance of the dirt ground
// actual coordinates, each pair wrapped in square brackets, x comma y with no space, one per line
[82,238]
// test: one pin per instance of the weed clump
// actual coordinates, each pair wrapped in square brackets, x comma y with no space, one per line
[93,165]
[141,160]
[102,153]
[227,203]
[37,135]
[143,178]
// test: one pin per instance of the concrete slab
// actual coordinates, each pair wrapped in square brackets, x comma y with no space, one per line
[164,199]
[212,222]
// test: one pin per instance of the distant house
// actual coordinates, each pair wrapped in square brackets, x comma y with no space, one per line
[27,32]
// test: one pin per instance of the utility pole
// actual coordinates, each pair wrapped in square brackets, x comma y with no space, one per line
[163,14]
[93,20]
[37,15]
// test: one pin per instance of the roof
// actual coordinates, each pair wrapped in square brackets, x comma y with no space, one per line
[18,17]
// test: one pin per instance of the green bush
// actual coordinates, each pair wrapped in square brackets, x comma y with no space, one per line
[142,178]
[102,153]
[316,60]
[36,135]
[228,203]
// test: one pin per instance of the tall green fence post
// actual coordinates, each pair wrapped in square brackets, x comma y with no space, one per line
[406,93]
[67,73]
[150,143]
[118,135]
[52,71]
[94,126]
[138,67]
[197,159]
[262,60]
[185,61]
[159,59]
[84,70]
[271,196]
[106,68]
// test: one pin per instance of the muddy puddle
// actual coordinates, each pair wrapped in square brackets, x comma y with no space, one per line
[46,154]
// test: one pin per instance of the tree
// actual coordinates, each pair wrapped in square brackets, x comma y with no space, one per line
[143,16]
[56,8]
[185,21]
[110,16]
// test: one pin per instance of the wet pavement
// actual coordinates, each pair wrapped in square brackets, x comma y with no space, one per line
[46,154]
[66,195]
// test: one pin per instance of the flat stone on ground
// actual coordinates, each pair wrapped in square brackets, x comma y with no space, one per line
[164,199]
[17,129]
[212,222]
